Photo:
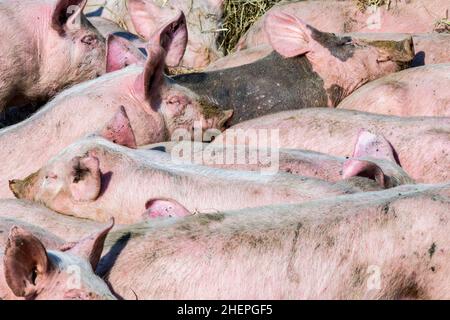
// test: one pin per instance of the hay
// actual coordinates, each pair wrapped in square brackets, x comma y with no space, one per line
[364,4]
[238,16]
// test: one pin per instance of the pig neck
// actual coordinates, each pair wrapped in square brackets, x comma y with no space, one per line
[340,78]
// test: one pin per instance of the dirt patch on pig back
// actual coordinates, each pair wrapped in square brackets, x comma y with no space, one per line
[14,115]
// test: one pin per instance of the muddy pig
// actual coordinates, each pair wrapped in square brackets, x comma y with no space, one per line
[308,68]
[429,48]
[411,16]
[323,249]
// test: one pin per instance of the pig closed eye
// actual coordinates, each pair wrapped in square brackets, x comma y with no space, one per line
[89,40]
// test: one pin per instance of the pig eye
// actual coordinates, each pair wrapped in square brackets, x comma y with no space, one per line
[51,176]
[88,40]
[349,42]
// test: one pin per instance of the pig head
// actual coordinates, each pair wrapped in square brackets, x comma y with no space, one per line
[343,63]
[179,107]
[30,272]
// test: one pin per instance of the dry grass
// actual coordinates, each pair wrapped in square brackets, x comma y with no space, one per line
[238,16]
[364,4]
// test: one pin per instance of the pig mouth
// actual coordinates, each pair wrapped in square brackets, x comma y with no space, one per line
[401,63]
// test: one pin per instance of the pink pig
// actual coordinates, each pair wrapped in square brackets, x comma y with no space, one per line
[47,45]
[373,157]
[421,91]
[412,16]
[333,248]
[144,17]
[421,145]
[138,97]
[96,179]
[51,228]
[30,271]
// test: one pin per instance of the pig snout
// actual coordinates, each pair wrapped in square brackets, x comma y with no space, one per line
[23,189]
[400,52]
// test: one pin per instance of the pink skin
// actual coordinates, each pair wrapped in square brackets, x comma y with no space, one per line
[45,53]
[325,249]
[433,48]
[421,91]
[155,109]
[373,157]
[118,130]
[422,144]
[115,11]
[97,179]
[429,48]
[51,228]
[48,239]
[144,17]
[165,208]
[291,37]
[30,271]
[415,16]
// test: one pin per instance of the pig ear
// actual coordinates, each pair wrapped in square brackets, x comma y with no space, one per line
[164,208]
[91,247]
[67,14]
[145,16]
[372,145]
[288,35]
[148,83]
[119,130]
[121,53]
[363,168]
[172,37]
[85,178]
[25,262]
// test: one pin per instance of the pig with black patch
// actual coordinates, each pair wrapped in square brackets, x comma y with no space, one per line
[308,68]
